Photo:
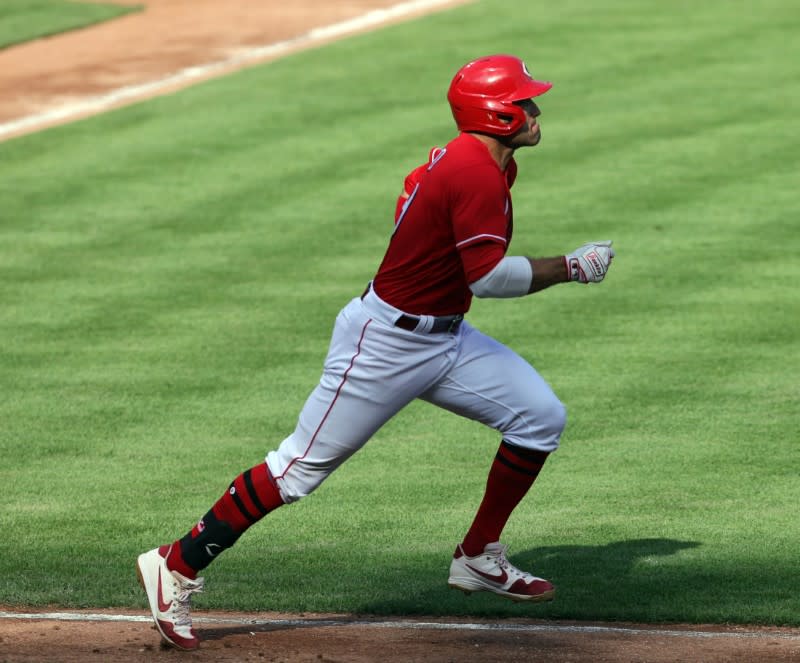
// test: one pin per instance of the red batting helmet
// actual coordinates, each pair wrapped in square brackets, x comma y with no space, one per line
[483,92]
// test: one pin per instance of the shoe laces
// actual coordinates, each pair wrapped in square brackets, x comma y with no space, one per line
[502,561]
[183,599]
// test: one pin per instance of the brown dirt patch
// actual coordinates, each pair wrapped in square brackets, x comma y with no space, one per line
[168,36]
[171,35]
[346,638]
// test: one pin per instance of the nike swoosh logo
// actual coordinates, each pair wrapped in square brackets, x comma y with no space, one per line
[499,579]
[210,552]
[162,606]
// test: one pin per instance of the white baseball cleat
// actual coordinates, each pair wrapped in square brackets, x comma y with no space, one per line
[492,572]
[169,594]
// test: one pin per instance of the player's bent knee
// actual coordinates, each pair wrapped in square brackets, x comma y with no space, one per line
[542,427]
[556,422]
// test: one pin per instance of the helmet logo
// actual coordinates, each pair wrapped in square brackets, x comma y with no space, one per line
[525,69]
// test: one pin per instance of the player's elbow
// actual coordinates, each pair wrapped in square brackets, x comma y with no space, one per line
[511,277]
[479,289]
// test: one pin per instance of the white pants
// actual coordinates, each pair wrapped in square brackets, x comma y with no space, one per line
[374,369]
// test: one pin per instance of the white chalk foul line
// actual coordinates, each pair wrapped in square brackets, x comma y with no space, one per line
[415,625]
[244,57]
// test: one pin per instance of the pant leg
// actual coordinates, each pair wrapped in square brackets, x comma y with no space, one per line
[372,371]
[492,384]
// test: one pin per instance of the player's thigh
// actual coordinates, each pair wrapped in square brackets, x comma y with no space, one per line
[371,372]
[331,427]
[492,384]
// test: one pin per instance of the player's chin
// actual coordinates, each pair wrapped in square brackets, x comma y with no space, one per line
[526,139]
[532,140]
[533,136]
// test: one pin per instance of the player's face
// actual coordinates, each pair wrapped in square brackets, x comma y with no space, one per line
[529,133]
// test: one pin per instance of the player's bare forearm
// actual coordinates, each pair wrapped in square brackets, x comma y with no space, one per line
[547,272]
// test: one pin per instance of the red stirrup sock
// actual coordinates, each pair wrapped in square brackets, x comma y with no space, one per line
[251,496]
[513,472]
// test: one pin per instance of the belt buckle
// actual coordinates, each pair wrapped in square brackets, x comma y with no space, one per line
[454,323]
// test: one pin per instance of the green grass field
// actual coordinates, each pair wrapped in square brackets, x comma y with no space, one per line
[23,20]
[169,275]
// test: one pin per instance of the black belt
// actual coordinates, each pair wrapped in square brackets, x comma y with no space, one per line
[448,323]
[441,325]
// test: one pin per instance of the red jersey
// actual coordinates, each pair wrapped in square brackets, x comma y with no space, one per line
[453,227]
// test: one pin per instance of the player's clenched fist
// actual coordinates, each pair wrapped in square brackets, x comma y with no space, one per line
[589,263]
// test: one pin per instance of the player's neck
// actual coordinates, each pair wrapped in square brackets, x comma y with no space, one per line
[500,153]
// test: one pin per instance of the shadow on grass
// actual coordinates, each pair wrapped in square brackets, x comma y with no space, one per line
[641,580]
[620,580]
[637,580]
[615,560]
[631,579]
[608,582]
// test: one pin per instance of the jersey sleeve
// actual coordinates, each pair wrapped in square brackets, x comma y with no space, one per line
[481,258]
[480,207]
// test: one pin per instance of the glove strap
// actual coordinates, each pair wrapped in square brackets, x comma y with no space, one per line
[573,268]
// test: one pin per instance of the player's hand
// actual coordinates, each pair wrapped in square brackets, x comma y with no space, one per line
[589,263]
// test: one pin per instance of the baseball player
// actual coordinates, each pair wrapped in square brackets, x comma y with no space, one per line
[405,338]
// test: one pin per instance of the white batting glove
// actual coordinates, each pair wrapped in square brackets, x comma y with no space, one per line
[589,263]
